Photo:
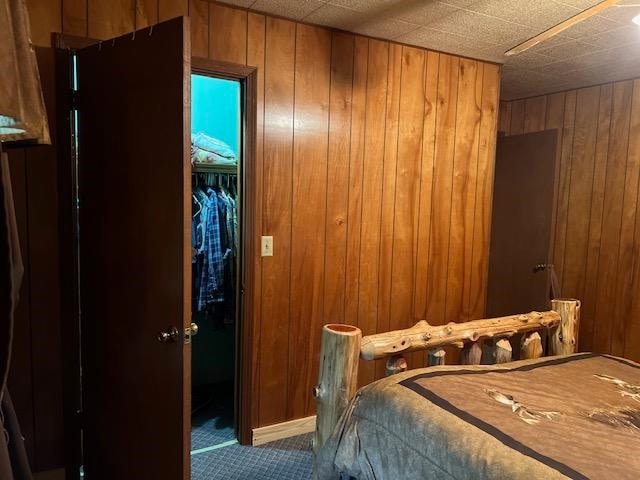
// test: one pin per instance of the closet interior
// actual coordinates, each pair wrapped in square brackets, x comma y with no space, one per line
[216,146]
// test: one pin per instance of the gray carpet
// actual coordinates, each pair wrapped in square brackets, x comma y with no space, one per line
[288,459]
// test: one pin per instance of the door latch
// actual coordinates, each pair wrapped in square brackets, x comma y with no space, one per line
[189,332]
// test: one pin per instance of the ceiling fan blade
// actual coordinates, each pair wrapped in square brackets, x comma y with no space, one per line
[570,22]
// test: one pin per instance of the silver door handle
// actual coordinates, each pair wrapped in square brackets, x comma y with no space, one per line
[168,335]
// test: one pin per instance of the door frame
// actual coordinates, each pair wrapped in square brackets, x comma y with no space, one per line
[64,45]
[245,354]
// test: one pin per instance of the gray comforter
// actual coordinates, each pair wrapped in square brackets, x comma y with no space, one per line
[555,418]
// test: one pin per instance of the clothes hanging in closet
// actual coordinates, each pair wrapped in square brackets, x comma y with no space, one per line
[214,241]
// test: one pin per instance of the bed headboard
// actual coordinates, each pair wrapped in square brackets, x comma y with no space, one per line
[343,346]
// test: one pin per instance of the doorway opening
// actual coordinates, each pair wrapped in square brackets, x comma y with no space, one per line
[216,158]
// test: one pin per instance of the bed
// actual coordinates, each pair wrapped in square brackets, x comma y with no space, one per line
[564,416]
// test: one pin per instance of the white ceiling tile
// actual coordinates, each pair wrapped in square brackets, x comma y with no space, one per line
[622,14]
[295,10]
[333,16]
[591,26]
[383,28]
[239,3]
[445,42]
[423,13]
[628,35]
[477,26]
[363,5]
[572,48]
[537,14]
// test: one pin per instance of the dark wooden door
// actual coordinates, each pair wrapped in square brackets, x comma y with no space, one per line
[521,223]
[135,253]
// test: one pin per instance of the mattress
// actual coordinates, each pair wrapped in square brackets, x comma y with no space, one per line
[574,417]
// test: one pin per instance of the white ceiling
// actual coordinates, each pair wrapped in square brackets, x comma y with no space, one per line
[604,48]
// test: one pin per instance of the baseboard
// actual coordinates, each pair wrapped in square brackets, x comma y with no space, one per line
[282,430]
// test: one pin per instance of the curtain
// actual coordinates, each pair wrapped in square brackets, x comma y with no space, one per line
[13,459]
[22,112]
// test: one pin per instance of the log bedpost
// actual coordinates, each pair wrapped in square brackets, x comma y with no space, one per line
[502,351]
[395,364]
[564,337]
[338,377]
[531,346]
[436,356]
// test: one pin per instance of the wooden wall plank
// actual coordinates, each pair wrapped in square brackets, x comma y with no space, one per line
[168,9]
[596,205]
[405,229]
[74,17]
[484,192]
[372,182]
[256,57]
[426,183]
[516,127]
[109,19]
[627,249]
[443,178]
[228,34]
[338,175]
[199,13]
[581,180]
[612,214]
[45,17]
[504,117]
[278,153]
[311,130]
[535,114]
[463,195]
[146,13]
[564,182]
[555,120]
[356,165]
[388,194]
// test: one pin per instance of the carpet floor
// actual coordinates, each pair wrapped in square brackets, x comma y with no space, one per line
[288,459]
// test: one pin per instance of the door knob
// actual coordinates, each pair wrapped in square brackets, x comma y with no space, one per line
[168,335]
[194,329]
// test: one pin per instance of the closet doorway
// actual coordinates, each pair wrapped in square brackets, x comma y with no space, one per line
[216,156]
[222,129]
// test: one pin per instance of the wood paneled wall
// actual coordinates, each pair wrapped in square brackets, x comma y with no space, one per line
[375,167]
[596,230]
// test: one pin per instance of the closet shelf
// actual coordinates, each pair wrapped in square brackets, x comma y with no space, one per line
[203,168]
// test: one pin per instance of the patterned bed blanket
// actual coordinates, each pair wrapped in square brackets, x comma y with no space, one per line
[574,417]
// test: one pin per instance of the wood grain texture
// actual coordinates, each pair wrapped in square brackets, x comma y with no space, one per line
[146,13]
[356,166]
[383,178]
[109,19]
[199,12]
[309,197]
[372,181]
[280,43]
[256,28]
[45,17]
[597,233]
[339,140]
[227,33]
[388,193]
[74,17]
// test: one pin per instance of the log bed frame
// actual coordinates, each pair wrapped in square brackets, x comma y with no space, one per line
[343,344]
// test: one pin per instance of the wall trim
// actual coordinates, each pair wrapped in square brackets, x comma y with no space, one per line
[278,431]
